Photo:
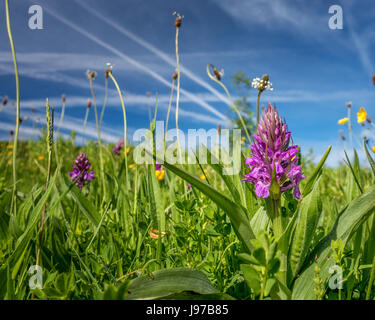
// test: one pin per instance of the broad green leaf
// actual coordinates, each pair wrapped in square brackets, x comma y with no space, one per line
[307,219]
[163,283]
[86,206]
[252,278]
[260,221]
[316,173]
[240,223]
[346,224]
[228,180]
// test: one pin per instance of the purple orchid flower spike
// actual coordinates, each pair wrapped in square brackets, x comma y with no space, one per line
[271,149]
[81,171]
[117,148]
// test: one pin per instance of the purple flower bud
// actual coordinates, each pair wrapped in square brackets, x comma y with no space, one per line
[117,148]
[81,171]
[157,166]
[271,149]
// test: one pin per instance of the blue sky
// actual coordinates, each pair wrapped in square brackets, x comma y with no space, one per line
[314,70]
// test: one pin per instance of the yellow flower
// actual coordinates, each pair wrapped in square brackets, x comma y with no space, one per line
[40,158]
[131,165]
[127,150]
[10,146]
[343,121]
[361,115]
[373,149]
[243,139]
[10,153]
[203,177]
[160,174]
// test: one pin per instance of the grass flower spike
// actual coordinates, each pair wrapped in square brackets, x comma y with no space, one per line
[81,171]
[271,151]
[361,115]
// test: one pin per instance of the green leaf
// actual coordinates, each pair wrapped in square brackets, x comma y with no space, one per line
[240,222]
[86,206]
[307,220]
[370,159]
[316,173]
[346,224]
[260,221]
[251,277]
[163,283]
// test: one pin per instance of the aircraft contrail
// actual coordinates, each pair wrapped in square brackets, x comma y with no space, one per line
[134,62]
[154,50]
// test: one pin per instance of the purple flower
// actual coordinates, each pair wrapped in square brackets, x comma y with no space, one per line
[157,166]
[271,149]
[81,171]
[119,145]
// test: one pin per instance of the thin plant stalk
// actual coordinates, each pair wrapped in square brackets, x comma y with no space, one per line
[231,101]
[104,102]
[258,100]
[125,128]
[178,93]
[49,120]
[84,124]
[372,275]
[61,118]
[350,129]
[98,133]
[169,110]
[13,207]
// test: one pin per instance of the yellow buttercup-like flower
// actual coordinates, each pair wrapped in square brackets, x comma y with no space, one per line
[10,146]
[131,165]
[40,158]
[373,149]
[203,177]
[361,115]
[243,139]
[343,121]
[160,174]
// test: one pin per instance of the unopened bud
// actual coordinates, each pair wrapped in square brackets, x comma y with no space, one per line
[349,104]
[89,104]
[175,75]
[5,101]
[63,98]
[177,22]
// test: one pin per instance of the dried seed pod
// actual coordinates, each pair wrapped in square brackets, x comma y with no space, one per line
[89,104]
[174,75]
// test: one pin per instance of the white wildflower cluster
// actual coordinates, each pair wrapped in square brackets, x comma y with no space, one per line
[260,83]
